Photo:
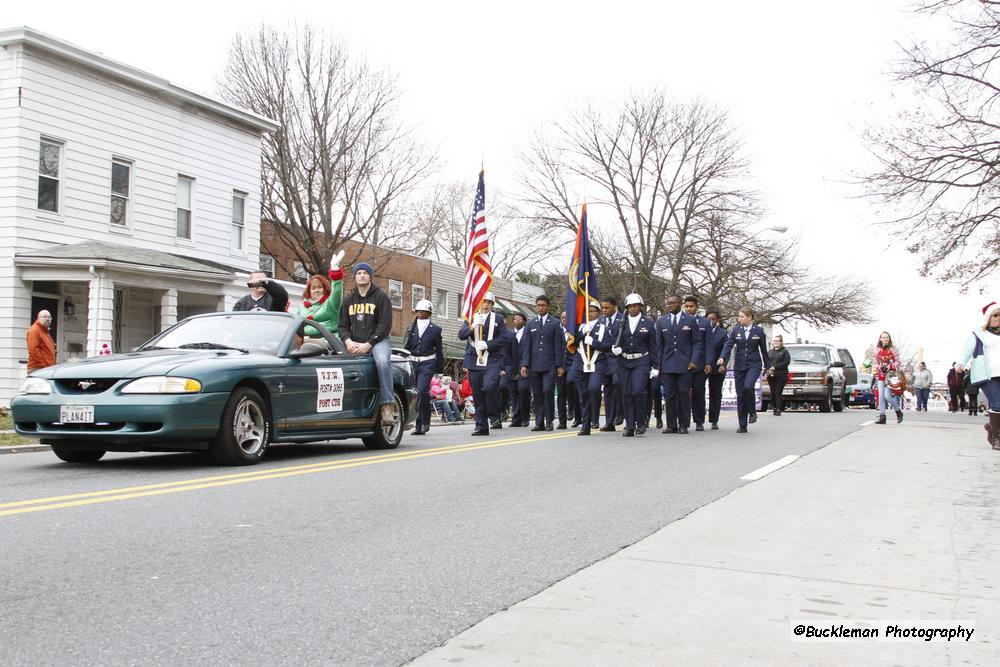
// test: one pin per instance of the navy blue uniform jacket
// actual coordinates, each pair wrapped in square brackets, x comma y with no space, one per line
[714,342]
[751,348]
[494,344]
[680,343]
[546,349]
[428,344]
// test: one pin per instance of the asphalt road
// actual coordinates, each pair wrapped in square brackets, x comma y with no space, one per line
[330,554]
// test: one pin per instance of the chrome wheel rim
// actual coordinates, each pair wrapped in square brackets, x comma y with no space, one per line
[391,430]
[249,426]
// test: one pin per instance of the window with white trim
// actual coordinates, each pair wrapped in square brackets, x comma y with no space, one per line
[266,265]
[396,293]
[239,227]
[185,197]
[299,272]
[121,189]
[441,303]
[49,170]
[417,293]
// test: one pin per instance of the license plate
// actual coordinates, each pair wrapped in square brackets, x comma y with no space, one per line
[76,414]
[787,392]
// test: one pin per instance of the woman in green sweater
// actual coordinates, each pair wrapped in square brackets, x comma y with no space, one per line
[322,298]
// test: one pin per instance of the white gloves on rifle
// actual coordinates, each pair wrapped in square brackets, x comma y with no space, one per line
[478,320]
[615,350]
[588,340]
[335,260]
[586,327]
[654,373]
[480,345]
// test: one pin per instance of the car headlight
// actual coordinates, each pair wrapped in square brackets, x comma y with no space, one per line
[161,384]
[35,386]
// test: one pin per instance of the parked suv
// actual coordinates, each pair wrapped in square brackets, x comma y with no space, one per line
[818,373]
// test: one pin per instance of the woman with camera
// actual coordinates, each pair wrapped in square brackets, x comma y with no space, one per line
[886,365]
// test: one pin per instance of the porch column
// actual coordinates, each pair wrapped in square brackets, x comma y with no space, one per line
[100,314]
[168,309]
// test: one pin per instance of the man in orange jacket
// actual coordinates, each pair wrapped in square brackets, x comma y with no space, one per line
[41,347]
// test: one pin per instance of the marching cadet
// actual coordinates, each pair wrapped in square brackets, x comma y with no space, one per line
[680,344]
[638,360]
[715,340]
[519,387]
[750,344]
[612,390]
[698,376]
[483,360]
[423,340]
[543,360]
[567,400]
[590,366]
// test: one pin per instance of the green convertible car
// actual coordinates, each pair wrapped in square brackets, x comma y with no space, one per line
[228,383]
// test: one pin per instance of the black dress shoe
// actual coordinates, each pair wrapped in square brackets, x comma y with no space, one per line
[640,430]
[741,429]
[699,427]
[417,431]
[629,433]
[575,424]
[682,431]
[548,427]
[607,429]
[562,427]
[584,431]
[753,417]
[899,416]
[659,423]
[619,421]
[595,426]
[481,431]
[537,428]
[777,414]
[670,430]
[715,427]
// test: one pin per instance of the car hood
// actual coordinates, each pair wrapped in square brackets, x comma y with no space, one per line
[132,364]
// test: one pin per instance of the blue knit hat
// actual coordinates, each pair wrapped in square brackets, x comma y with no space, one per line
[364,266]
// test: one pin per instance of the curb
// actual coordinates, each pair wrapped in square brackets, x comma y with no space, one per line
[24,449]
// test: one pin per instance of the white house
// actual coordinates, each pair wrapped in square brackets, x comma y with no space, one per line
[125,201]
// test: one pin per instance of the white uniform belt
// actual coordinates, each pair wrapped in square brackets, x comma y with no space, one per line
[637,355]
[417,360]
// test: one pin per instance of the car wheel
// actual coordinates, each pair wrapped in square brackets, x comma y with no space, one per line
[826,401]
[387,435]
[838,406]
[244,430]
[71,454]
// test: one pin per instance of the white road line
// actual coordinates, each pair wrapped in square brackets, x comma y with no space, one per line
[770,467]
[867,423]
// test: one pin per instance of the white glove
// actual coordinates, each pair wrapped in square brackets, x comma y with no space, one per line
[615,350]
[588,340]
[586,327]
[335,260]
[653,373]
[478,320]
[480,345]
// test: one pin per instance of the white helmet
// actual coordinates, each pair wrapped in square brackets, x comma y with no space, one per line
[489,297]
[634,298]
[424,304]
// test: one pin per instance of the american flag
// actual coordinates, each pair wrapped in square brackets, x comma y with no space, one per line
[478,271]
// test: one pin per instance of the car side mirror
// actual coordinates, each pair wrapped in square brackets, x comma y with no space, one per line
[307,350]
[837,364]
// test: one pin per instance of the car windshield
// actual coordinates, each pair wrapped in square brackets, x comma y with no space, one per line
[809,355]
[248,333]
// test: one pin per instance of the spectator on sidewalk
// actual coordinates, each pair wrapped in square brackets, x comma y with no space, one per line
[444,399]
[777,372]
[886,364]
[954,387]
[922,380]
[972,392]
[41,347]
[982,350]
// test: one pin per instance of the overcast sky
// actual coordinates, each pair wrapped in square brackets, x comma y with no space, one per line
[802,80]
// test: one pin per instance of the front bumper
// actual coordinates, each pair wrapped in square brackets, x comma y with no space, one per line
[163,421]
[813,392]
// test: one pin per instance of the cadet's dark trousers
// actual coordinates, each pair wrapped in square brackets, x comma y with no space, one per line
[485,393]
[777,383]
[612,398]
[543,385]
[520,400]
[503,402]
[746,399]
[655,405]
[698,379]
[633,376]
[588,387]
[568,402]
[677,391]
[715,382]
[424,372]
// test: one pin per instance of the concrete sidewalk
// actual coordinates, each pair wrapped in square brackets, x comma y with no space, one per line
[891,523]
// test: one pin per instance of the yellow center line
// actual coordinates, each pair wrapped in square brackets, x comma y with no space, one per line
[126,493]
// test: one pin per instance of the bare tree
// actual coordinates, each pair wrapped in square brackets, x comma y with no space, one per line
[672,179]
[940,160]
[514,245]
[341,166]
